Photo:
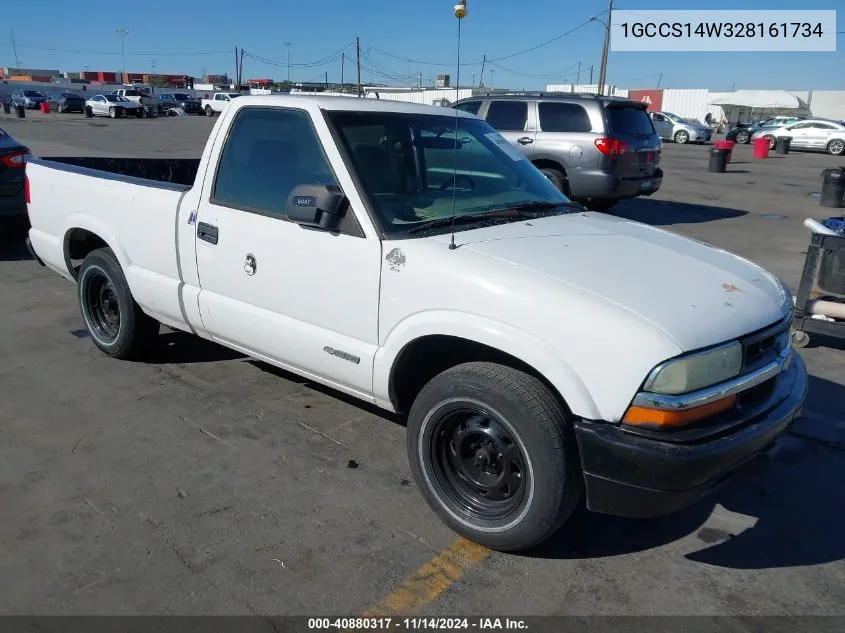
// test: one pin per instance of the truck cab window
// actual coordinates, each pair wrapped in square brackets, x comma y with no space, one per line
[268,152]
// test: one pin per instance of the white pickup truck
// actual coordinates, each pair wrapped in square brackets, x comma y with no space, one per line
[409,256]
[219,102]
[144,99]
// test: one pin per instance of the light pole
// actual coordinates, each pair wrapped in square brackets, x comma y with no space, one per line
[492,77]
[122,33]
[287,46]
[604,50]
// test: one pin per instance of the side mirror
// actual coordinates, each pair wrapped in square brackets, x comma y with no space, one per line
[320,206]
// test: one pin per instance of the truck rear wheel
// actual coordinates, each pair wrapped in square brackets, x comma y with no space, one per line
[492,452]
[209,111]
[116,323]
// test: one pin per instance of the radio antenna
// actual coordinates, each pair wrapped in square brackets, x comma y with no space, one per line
[460,11]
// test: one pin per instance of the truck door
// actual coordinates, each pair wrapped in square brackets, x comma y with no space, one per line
[301,298]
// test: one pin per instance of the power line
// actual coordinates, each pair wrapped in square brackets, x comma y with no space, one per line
[535,75]
[547,42]
[320,62]
[135,54]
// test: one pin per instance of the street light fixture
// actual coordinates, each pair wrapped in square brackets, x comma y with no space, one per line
[287,46]
[122,33]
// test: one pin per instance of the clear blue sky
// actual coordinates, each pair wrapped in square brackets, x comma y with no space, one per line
[181,36]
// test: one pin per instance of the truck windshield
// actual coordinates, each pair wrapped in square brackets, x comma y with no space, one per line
[414,168]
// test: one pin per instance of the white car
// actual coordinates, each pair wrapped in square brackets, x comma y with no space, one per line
[219,102]
[407,255]
[113,106]
[824,135]
[671,127]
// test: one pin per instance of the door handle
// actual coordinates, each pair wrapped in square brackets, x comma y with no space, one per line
[207,233]
[525,140]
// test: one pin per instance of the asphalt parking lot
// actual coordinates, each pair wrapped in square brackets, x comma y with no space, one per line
[206,483]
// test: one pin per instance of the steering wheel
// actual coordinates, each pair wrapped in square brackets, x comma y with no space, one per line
[453,182]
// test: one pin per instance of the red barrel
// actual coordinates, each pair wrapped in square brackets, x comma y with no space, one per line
[761,148]
[45,107]
[728,145]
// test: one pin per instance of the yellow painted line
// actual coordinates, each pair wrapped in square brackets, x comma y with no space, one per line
[430,580]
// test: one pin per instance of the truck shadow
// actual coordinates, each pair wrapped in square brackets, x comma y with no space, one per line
[183,348]
[790,514]
[665,212]
[12,245]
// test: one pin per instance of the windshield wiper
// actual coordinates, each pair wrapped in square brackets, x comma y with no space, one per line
[516,210]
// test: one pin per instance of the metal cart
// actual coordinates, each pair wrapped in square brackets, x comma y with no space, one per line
[824,268]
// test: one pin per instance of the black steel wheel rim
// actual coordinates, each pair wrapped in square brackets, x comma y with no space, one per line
[477,463]
[103,307]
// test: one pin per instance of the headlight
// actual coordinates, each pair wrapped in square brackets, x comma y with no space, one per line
[696,371]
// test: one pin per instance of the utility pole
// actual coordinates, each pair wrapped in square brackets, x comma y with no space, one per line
[241,70]
[483,64]
[15,50]
[591,74]
[492,77]
[122,33]
[358,57]
[605,51]
[419,80]
[287,46]
[327,80]
[342,65]
[659,79]
[578,80]
[237,73]
[153,65]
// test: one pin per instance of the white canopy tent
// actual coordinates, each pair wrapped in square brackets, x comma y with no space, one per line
[752,105]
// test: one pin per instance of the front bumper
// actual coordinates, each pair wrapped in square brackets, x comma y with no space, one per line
[635,475]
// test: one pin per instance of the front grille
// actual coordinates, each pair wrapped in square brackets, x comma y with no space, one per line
[765,345]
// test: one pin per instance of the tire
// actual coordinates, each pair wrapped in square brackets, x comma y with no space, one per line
[743,137]
[112,112]
[139,113]
[89,112]
[116,324]
[836,147]
[772,141]
[524,420]
[558,179]
[209,111]
[681,137]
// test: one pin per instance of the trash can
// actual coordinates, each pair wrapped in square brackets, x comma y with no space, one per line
[761,148]
[45,107]
[783,144]
[7,108]
[718,160]
[20,111]
[833,188]
[728,145]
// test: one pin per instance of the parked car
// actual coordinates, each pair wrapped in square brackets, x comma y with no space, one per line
[596,150]
[671,127]
[742,132]
[150,103]
[441,275]
[66,102]
[30,99]
[219,102]
[825,135]
[13,158]
[113,106]
[189,104]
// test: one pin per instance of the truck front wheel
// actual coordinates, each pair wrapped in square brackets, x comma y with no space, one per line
[116,324]
[494,456]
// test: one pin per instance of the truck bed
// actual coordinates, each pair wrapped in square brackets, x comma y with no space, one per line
[174,171]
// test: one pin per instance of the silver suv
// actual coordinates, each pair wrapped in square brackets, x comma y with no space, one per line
[596,150]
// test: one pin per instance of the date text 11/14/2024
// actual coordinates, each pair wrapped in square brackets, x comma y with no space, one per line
[416,624]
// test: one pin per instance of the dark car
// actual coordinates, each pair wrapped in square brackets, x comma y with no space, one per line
[171,100]
[28,98]
[66,102]
[742,132]
[13,157]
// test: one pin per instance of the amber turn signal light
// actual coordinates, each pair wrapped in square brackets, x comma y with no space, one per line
[658,418]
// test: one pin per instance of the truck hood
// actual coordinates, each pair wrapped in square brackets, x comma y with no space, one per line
[696,293]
